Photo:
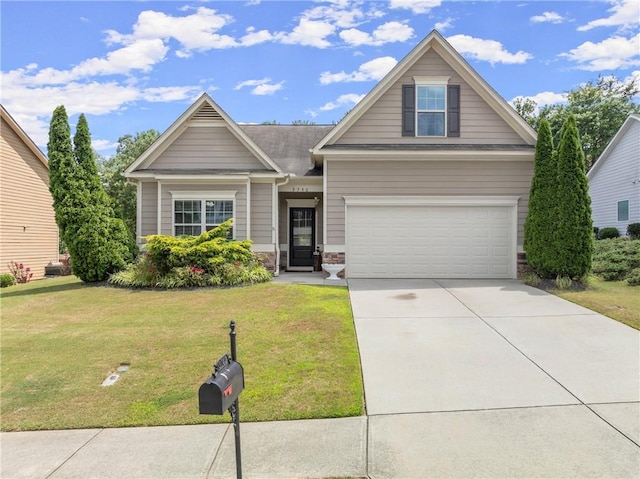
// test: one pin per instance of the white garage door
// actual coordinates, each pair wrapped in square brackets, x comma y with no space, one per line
[431,238]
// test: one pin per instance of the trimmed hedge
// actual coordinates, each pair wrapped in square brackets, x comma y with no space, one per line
[608,233]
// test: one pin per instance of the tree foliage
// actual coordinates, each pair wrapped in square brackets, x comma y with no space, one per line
[574,229]
[122,192]
[558,229]
[541,222]
[600,107]
[98,241]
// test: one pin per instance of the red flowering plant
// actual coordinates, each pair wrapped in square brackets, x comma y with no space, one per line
[21,273]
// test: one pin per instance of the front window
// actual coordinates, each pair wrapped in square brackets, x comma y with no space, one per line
[623,210]
[431,110]
[189,220]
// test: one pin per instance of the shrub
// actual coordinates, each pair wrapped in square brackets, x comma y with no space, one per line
[634,277]
[19,272]
[210,259]
[633,231]
[608,233]
[596,230]
[7,280]
[563,282]
[615,259]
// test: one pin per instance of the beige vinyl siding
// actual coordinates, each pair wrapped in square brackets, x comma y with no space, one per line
[149,224]
[28,231]
[240,212]
[207,148]
[261,213]
[382,122]
[423,178]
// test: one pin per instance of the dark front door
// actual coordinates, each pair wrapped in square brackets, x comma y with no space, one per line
[302,234]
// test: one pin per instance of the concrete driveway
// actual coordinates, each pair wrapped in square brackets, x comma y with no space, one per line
[478,378]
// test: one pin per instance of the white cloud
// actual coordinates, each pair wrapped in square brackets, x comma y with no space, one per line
[261,87]
[416,6]
[343,100]
[103,145]
[487,50]
[311,33]
[444,25]
[374,69]
[624,13]
[610,54]
[385,33]
[548,17]
[197,31]
[254,38]
[543,99]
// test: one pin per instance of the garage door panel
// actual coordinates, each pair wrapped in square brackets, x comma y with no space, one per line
[430,241]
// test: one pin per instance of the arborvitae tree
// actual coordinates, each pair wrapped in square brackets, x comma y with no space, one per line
[87,171]
[573,238]
[97,241]
[540,224]
[61,165]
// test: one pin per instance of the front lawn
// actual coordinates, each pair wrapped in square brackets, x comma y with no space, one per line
[61,338]
[615,299]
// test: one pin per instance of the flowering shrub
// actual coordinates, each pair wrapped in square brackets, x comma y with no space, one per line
[19,272]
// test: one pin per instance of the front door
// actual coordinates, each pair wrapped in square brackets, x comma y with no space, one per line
[302,234]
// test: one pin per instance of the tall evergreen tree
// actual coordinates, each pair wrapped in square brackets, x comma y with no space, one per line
[540,224]
[97,241]
[573,238]
[61,166]
[87,171]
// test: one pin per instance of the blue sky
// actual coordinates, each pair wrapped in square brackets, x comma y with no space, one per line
[135,65]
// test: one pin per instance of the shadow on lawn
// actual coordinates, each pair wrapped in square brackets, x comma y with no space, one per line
[51,288]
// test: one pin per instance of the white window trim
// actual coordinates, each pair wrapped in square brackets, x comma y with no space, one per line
[431,81]
[202,196]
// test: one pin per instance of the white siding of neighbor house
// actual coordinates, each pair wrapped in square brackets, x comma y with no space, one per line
[28,231]
[261,213]
[240,212]
[207,148]
[149,225]
[423,178]
[382,122]
[613,181]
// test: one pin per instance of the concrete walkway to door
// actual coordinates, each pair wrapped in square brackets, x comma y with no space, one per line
[482,378]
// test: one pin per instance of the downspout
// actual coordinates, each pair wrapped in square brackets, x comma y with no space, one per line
[276,227]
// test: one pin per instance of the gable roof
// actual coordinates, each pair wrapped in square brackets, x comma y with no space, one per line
[437,42]
[631,119]
[204,109]
[289,145]
[4,114]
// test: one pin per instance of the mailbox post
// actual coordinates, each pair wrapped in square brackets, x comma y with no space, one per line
[220,392]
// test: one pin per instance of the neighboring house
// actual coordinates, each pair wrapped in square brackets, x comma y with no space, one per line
[28,230]
[614,180]
[427,177]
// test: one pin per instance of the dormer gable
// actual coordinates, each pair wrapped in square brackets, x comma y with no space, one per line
[433,82]
[203,138]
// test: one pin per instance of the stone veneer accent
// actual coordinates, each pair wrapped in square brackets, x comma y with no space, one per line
[268,260]
[523,266]
[333,258]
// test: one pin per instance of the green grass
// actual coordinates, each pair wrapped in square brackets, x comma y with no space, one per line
[60,339]
[615,299]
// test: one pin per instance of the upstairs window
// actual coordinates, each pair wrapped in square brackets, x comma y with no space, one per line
[431,108]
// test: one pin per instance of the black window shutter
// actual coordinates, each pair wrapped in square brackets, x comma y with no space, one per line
[453,110]
[408,110]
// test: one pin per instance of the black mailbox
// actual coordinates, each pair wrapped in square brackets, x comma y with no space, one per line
[219,392]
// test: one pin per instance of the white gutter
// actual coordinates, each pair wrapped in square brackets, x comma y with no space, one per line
[275,208]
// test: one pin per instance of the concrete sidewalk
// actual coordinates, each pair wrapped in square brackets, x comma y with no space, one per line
[463,379]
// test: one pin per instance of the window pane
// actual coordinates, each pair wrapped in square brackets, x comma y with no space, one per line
[187,217]
[219,211]
[431,98]
[623,210]
[430,124]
